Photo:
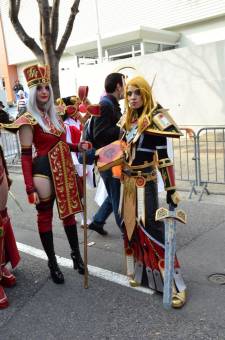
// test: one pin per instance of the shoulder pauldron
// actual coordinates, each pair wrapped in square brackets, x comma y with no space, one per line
[25,119]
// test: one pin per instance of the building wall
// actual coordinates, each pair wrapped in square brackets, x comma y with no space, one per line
[190,81]
[201,32]
[114,17]
[159,14]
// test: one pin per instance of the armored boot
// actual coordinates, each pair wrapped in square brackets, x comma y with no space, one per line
[47,242]
[71,233]
[179,289]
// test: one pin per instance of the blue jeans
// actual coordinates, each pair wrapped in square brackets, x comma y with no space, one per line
[111,203]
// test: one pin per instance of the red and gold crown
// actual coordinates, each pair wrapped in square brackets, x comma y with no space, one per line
[36,75]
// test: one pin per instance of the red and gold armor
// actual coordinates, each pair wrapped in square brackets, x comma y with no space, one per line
[52,152]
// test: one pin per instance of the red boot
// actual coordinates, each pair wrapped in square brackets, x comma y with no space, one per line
[3,299]
[8,279]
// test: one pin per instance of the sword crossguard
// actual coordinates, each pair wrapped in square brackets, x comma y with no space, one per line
[163,213]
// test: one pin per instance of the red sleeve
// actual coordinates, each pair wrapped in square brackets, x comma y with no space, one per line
[26,160]
[75,134]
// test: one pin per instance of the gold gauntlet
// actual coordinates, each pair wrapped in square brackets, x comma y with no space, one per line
[176,198]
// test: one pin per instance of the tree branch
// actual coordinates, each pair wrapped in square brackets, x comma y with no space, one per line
[68,29]
[54,22]
[45,34]
[16,4]
[44,17]
[14,7]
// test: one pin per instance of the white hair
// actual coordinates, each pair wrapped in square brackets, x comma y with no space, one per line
[49,109]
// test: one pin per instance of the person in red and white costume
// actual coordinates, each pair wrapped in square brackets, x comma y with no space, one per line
[48,168]
[74,121]
[8,247]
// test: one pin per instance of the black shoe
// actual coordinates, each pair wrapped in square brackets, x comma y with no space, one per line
[56,274]
[98,228]
[77,261]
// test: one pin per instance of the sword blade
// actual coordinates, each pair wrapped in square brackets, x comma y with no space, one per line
[170,249]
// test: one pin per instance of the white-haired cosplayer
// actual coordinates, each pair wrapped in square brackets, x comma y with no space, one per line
[48,168]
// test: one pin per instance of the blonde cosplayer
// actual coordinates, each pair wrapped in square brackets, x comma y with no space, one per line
[147,126]
[147,97]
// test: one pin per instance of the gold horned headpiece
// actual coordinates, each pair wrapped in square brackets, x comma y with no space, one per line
[36,75]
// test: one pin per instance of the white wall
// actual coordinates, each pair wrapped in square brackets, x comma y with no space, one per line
[190,81]
[67,76]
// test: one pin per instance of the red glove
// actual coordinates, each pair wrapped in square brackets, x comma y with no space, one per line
[26,160]
[84,146]
[32,198]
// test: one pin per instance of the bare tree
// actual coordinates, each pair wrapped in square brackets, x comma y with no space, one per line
[49,53]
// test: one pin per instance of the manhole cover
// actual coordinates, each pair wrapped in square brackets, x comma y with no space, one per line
[219,279]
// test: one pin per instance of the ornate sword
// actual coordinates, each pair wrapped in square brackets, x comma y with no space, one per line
[169,216]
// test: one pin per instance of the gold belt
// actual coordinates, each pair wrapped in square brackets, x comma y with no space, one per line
[140,166]
[148,176]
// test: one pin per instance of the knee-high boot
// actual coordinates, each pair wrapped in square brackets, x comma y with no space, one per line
[47,242]
[71,233]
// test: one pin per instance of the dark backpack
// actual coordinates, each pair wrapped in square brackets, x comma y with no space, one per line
[88,128]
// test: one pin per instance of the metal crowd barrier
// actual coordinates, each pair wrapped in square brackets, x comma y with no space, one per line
[210,160]
[199,158]
[186,159]
[11,146]
[184,154]
[211,144]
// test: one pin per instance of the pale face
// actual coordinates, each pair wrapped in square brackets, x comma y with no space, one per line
[43,95]
[135,100]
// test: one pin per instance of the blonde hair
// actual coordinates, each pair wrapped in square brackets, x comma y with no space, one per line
[148,101]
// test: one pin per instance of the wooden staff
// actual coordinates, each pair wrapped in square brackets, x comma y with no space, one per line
[85,222]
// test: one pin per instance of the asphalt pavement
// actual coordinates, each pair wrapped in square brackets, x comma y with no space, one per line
[40,309]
